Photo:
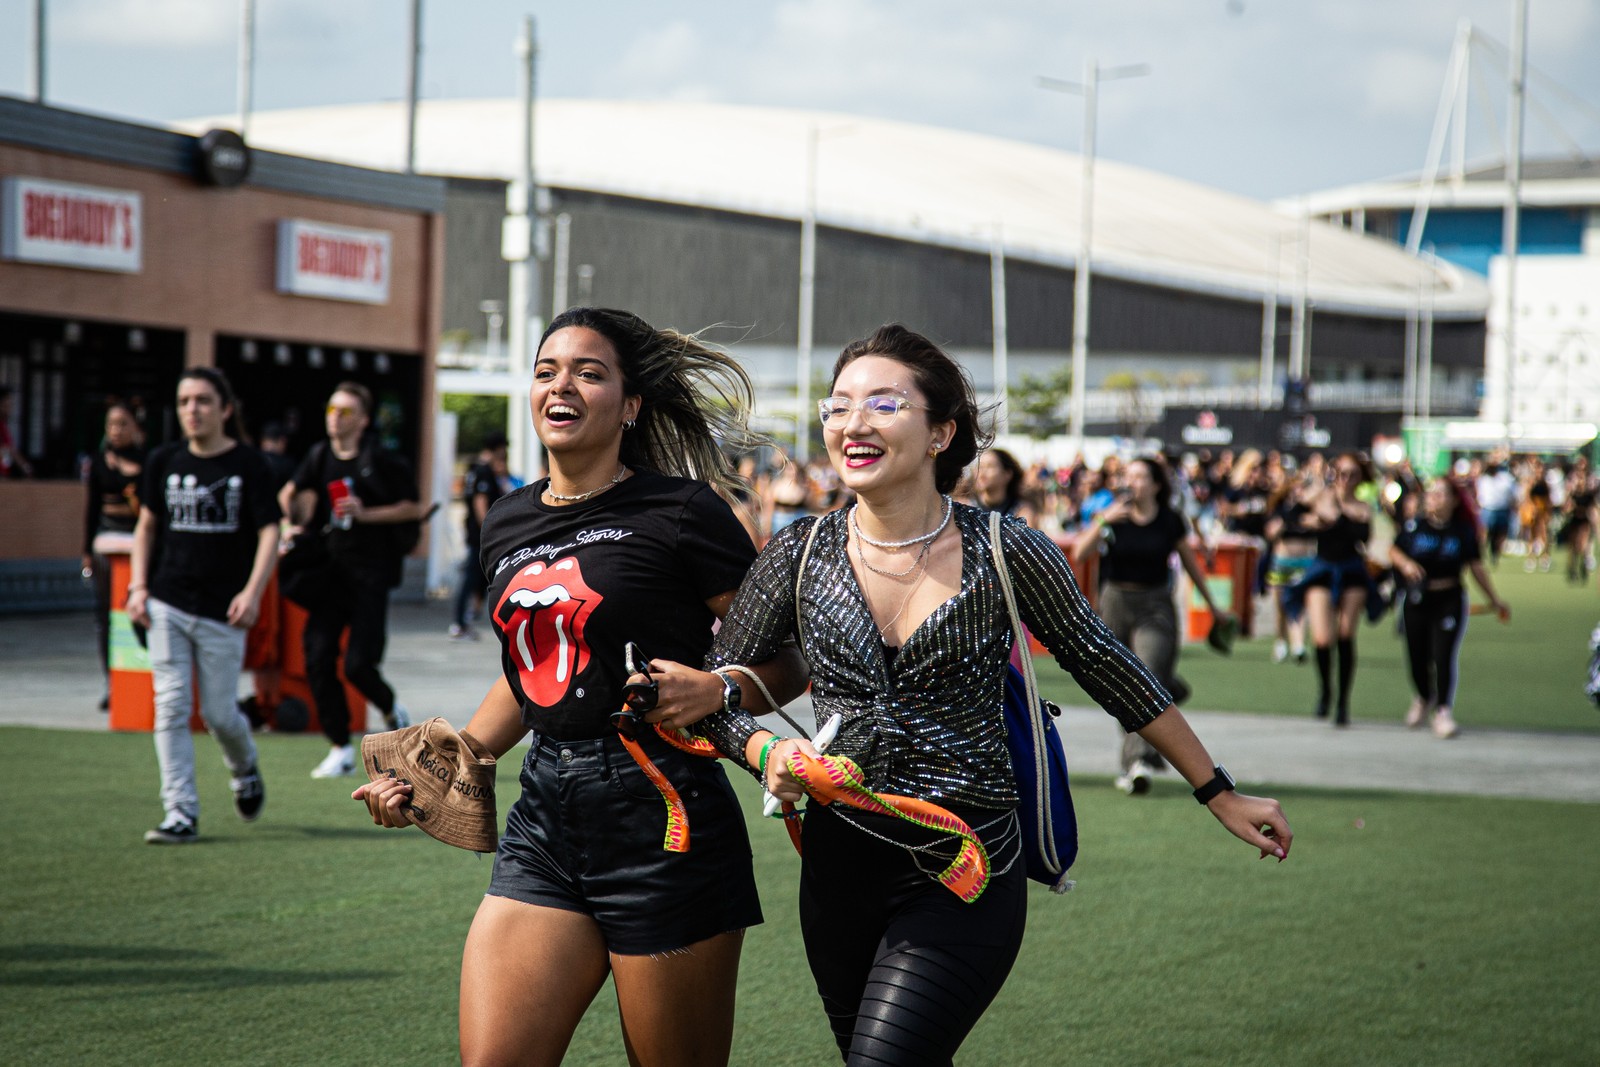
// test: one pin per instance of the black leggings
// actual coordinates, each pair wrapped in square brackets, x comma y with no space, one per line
[1435,622]
[904,967]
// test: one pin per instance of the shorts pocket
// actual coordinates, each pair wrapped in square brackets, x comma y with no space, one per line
[629,779]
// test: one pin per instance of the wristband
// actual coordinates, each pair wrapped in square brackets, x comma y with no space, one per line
[136,588]
[765,750]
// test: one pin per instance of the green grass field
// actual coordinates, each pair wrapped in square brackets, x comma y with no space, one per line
[1403,930]
[1527,675]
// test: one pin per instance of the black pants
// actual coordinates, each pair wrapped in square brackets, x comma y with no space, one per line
[472,583]
[904,966]
[362,604]
[1435,622]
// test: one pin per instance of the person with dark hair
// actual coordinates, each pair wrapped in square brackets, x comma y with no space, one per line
[203,552]
[902,618]
[1430,551]
[1577,528]
[1137,537]
[486,481]
[112,507]
[1496,490]
[1338,587]
[274,445]
[625,541]
[353,494]
[997,484]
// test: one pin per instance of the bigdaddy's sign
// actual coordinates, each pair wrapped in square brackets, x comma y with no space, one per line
[333,262]
[69,225]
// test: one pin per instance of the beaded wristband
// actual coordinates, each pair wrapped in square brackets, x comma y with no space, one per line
[766,749]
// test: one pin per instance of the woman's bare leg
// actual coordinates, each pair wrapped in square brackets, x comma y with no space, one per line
[527,976]
[677,1007]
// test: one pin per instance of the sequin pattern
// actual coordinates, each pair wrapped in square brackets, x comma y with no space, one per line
[926,724]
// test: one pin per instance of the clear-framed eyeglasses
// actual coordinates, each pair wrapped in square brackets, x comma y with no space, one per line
[877,410]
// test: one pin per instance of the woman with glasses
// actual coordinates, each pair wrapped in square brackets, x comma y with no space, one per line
[621,543]
[901,616]
[1338,586]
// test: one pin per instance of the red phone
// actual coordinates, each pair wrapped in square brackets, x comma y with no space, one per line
[339,490]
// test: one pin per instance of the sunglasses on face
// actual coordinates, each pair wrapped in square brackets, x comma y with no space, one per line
[876,410]
[340,409]
[1347,472]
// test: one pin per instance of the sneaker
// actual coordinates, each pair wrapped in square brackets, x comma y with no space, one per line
[1416,713]
[399,718]
[1444,726]
[175,829]
[249,793]
[462,633]
[1280,651]
[1300,654]
[339,762]
[1137,780]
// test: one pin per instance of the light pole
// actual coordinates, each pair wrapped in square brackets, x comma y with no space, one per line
[1089,89]
[808,291]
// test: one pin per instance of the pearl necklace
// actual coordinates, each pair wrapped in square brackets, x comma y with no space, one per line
[622,472]
[949,509]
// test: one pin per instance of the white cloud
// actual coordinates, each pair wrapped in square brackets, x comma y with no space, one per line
[145,23]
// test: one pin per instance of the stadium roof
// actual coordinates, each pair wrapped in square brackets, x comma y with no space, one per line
[1571,183]
[894,179]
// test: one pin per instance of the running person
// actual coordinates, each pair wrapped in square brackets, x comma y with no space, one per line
[908,635]
[1430,551]
[605,551]
[1137,537]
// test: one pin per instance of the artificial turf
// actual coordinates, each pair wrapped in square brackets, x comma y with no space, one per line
[1526,675]
[1403,930]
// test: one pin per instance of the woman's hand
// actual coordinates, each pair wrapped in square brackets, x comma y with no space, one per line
[780,783]
[1409,569]
[685,695]
[386,801]
[1257,821]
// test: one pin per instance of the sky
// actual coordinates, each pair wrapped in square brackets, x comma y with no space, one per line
[1266,98]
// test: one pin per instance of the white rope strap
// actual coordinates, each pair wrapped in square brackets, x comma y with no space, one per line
[1047,843]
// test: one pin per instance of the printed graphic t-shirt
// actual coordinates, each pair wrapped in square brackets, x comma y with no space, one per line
[570,586]
[209,513]
[1441,551]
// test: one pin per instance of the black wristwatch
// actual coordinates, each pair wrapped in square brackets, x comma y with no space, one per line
[731,693]
[1221,782]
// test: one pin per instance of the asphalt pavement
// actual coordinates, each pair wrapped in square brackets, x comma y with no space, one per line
[50,677]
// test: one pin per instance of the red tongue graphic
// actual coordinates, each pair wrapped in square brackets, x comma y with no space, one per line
[542,615]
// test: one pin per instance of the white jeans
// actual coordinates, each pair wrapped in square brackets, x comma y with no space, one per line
[185,648]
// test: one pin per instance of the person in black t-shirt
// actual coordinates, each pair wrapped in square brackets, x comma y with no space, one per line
[113,507]
[1338,586]
[1430,551]
[617,545]
[203,552]
[355,494]
[1137,537]
[486,481]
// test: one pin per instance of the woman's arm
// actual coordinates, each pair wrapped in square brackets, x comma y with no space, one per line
[1480,574]
[1257,821]
[495,728]
[1191,567]
[1409,568]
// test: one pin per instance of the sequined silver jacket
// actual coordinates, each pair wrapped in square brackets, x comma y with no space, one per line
[926,723]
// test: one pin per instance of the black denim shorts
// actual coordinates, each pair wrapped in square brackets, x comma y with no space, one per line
[586,835]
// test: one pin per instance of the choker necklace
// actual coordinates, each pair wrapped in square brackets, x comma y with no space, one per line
[931,535]
[622,472]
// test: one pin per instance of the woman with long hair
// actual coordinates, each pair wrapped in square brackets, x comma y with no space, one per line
[1337,587]
[998,482]
[1137,537]
[1430,551]
[626,540]
[902,618]
[113,507]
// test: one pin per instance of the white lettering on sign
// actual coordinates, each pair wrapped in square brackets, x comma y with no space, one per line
[333,262]
[69,225]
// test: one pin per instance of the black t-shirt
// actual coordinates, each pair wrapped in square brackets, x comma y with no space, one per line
[1441,551]
[209,513]
[1140,554]
[570,586]
[1342,540]
[1250,505]
[108,486]
[378,477]
[481,480]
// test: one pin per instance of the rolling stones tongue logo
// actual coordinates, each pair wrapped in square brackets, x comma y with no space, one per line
[542,615]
